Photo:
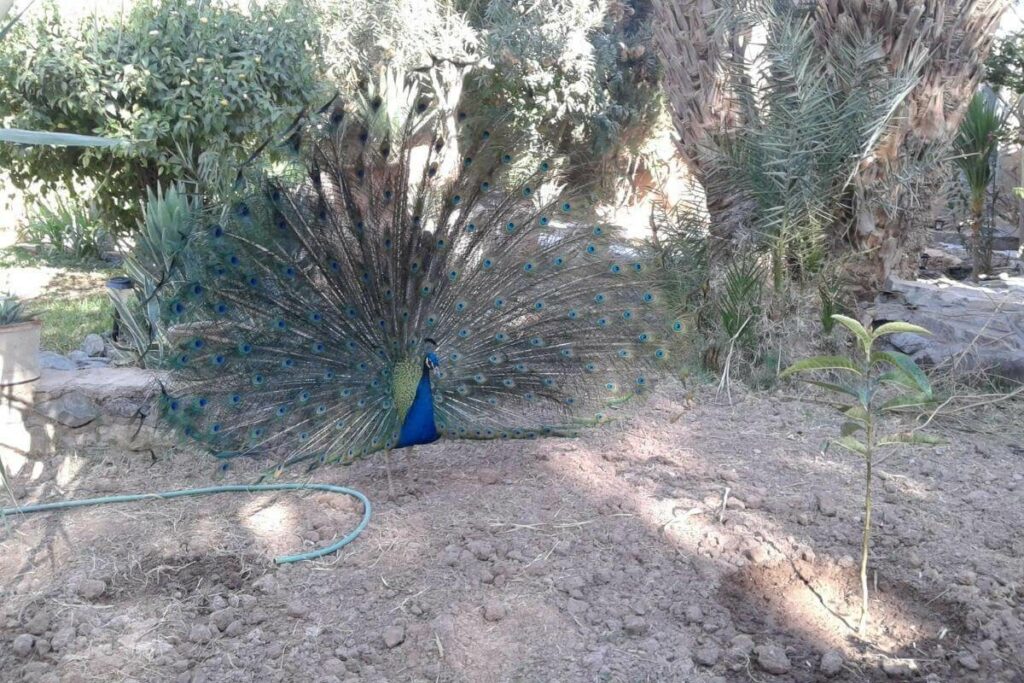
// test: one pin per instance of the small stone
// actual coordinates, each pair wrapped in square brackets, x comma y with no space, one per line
[92,345]
[756,554]
[772,659]
[831,663]
[296,610]
[826,506]
[48,360]
[222,618]
[899,668]
[23,644]
[42,646]
[200,633]
[694,614]
[847,562]
[969,662]
[90,589]
[804,519]
[234,629]
[635,625]
[494,611]
[741,645]
[63,637]
[39,623]
[707,655]
[394,636]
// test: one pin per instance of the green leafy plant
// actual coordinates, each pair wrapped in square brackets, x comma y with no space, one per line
[12,311]
[67,228]
[155,263]
[976,142]
[184,81]
[872,385]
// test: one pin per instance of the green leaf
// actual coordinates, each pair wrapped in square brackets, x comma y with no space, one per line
[893,328]
[910,438]
[858,330]
[851,444]
[856,413]
[907,401]
[838,388]
[822,363]
[907,369]
[850,428]
[35,137]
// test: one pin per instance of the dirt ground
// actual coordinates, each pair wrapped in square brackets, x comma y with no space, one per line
[607,558]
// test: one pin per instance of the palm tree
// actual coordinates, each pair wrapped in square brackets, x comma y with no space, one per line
[975,145]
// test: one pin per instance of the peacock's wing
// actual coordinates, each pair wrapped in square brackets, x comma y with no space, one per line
[396,222]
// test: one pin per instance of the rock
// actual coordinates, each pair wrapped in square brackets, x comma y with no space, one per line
[200,633]
[826,506]
[90,589]
[296,610]
[394,636]
[847,562]
[756,554]
[92,345]
[494,611]
[772,659]
[707,655]
[39,623]
[969,662]
[981,327]
[73,409]
[22,645]
[635,625]
[694,614]
[831,663]
[63,637]
[234,629]
[48,360]
[741,646]
[222,618]
[899,668]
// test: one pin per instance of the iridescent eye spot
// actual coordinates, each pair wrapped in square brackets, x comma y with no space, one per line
[616,268]
[627,314]
[548,382]
[508,382]
[591,249]
[303,396]
[460,306]
[529,396]
[217,232]
[625,353]
[485,135]
[455,356]
[215,428]
[471,227]
[528,267]
[174,405]
[677,326]
[303,436]
[602,322]
[573,314]
[245,348]
[464,332]
[351,312]
[183,359]
[527,191]
[236,399]
[335,266]
[597,231]
[566,207]
[648,297]
[440,244]
[351,345]
[570,400]
[329,375]
[643,338]
[566,353]
[218,360]
[499,302]
[544,166]
[221,309]
[362,367]
[538,306]
[315,317]
[257,433]
[287,363]
[638,267]
[510,227]
[506,158]
[536,342]
[177,308]
[233,260]
[599,298]
[641,381]
[544,220]
[494,359]
[611,386]
[520,367]
[289,272]
[431,320]
[321,409]
[488,263]
[197,343]
[467,161]
[456,200]
[559,261]
[590,367]
[485,186]
[479,378]
[660,354]
[257,379]
[346,392]
[501,337]
[254,281]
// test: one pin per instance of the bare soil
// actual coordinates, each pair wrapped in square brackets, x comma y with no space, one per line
[690,541]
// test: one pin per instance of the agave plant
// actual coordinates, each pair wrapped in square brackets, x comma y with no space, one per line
[12,311]
[872,385]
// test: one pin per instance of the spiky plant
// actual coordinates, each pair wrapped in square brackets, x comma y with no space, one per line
[975,145]
[12,310]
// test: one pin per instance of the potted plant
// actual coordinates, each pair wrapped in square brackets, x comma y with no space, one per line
[19,342]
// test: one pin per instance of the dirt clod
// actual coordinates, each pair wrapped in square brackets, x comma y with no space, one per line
[772,659]
[90,589]
[394,636]
[494,611]
[22,645]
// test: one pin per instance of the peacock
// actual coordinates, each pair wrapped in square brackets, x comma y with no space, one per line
[408,273]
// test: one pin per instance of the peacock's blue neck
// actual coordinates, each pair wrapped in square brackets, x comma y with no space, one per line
[419,426]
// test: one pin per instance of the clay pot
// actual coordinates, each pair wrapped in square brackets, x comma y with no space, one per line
[19,352]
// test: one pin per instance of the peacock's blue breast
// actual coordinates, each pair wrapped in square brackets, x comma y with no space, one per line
[419,426]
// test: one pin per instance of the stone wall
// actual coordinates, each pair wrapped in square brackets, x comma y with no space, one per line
[77,410]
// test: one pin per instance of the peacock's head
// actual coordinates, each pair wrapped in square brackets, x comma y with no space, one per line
[430,359]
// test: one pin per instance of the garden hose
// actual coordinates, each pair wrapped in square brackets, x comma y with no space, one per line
[230,488]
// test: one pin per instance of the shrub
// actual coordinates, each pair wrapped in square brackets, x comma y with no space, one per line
[12,310]
[192,84]
[67,228]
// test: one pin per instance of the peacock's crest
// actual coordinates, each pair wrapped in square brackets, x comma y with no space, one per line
[404,229]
